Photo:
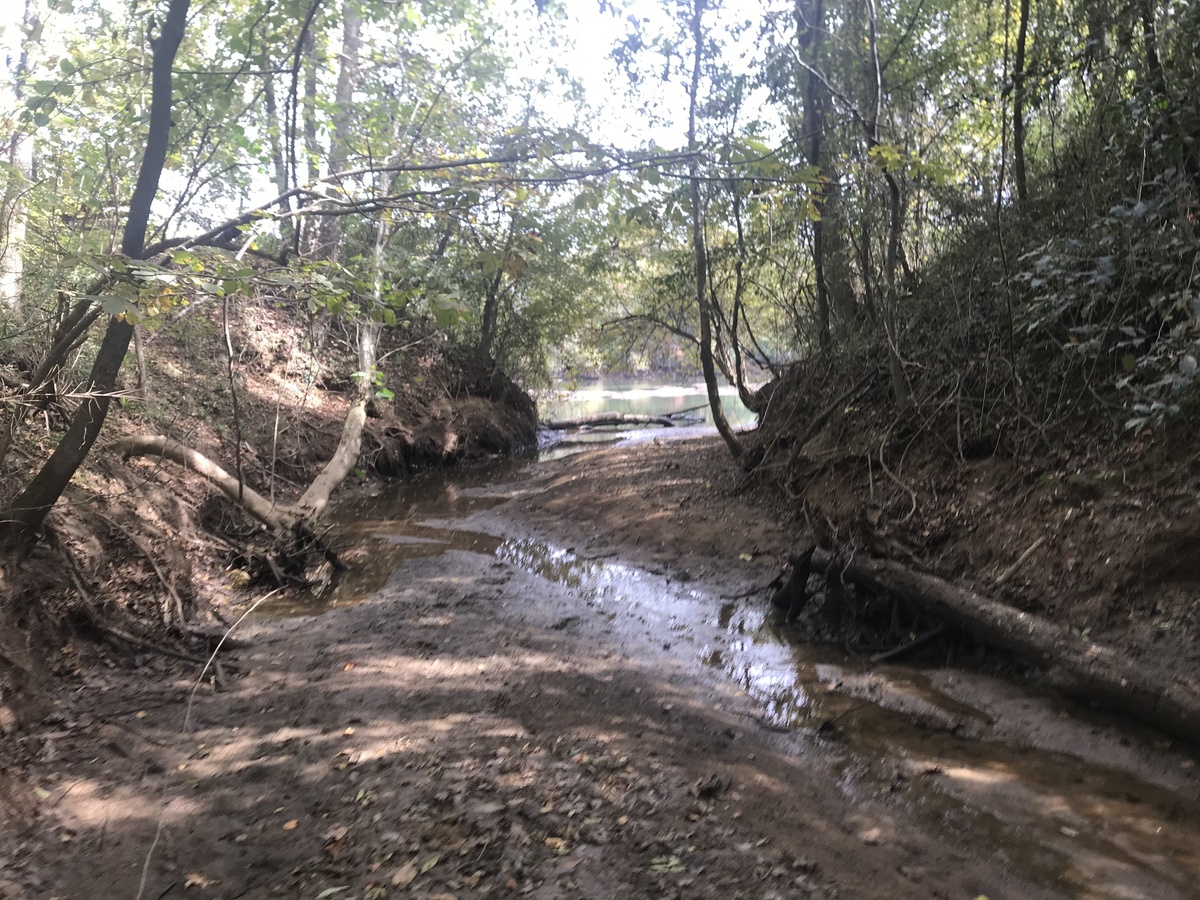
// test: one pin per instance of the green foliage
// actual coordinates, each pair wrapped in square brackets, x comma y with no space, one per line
[1122,295]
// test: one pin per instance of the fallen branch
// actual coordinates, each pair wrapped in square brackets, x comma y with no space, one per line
[295,519]
[1168,701]
[273,515]
[603,419]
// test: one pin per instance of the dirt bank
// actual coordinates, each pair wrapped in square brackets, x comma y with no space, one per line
[483,726]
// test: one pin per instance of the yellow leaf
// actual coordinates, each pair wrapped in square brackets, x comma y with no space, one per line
[290,824]
[405,874]
[430,863]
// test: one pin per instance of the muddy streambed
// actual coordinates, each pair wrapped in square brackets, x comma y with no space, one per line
[1059,797]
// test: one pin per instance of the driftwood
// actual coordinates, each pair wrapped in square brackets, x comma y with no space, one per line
[1169,701]
[608,419]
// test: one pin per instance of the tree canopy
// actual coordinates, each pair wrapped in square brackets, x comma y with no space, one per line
[928,178]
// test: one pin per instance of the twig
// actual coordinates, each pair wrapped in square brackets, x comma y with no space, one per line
[1012,570]
[187,717]
[150,854]
[144,644]
[890,474]
[915,644]
[174,594]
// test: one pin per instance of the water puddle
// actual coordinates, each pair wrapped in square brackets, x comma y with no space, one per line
[1097,815]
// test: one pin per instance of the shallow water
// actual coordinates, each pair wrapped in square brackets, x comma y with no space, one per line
[1063,799]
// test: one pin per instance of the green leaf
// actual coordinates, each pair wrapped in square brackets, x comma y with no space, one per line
[114,305]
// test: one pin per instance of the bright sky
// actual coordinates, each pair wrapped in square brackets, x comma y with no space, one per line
[657,114]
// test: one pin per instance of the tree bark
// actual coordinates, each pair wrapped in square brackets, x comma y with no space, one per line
[1167,701]
[27,513]
[18,153]
[273,515]
[1019,105]
[701,256]
[901,391]
[329,230]
[810,33]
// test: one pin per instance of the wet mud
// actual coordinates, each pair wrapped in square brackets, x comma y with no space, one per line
[1056,795]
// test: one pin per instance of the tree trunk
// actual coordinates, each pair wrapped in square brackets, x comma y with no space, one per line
[810,28]
[24,519]
[901,391]
[1019,105]
[314,500]
[279,170]
[489,320]
[329,229]
[18,154]
[701,257]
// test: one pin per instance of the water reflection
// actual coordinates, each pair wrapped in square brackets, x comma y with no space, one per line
[647,399]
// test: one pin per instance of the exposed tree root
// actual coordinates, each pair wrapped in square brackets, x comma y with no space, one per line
[1167,701]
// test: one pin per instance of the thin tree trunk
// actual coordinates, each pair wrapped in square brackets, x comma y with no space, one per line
[1019,105]
[489,321]
[810,33]
[901,391]
[701,257]
[24,519]
[18,154]
[279,170]
[330,228]
[748,397]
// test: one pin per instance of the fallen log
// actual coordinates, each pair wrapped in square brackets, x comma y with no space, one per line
[607,419]
[1169,701]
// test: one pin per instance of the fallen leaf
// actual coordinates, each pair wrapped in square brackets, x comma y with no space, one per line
[405,874]
[334,838]
[195,879]
[42,792]
[329,892]
[348,666]
[290,824]
[430,863]
[667,864]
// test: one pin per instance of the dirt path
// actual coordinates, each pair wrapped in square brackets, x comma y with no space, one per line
[478,729]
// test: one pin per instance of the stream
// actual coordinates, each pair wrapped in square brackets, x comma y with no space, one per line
[1064,798]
